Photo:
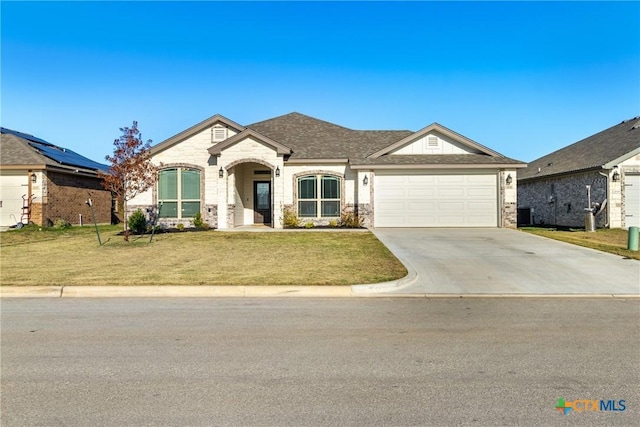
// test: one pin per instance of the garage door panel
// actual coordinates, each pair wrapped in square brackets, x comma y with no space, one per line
[479,206]
[441,199]
[411,179]
[632,201]
[394,192]
[450,179]
[481,192]
[417,221]
[427,192]
[416,206]
[451,192]
[395,180]
[450,208]
[13,188]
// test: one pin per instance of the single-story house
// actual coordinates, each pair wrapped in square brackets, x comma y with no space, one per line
[237,175]
[41,183]
[552,190]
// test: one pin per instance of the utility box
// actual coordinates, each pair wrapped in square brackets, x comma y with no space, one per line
[634,235]
[589,220]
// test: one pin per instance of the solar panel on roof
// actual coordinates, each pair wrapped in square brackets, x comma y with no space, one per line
[67,157]
[61,155]
[23,135]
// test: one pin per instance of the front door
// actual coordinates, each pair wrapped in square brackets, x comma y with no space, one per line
[262,202]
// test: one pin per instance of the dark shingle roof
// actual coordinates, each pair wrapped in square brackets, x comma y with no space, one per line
[19,148]
[16,151]
[310,138]
[590,153]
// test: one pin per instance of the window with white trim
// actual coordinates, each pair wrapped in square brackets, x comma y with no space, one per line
[319,196]
[179,192]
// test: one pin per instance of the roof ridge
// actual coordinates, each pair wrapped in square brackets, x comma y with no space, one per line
[297,114]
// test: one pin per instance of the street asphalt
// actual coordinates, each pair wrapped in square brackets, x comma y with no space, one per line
[318,361]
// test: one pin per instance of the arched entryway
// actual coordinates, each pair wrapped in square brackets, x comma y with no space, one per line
[252,184]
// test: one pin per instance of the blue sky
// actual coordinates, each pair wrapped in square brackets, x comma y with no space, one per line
[522,78]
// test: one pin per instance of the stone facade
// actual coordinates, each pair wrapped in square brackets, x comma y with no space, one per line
[508,198]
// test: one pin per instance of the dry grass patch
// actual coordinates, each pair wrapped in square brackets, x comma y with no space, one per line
[73,257]
[606,240]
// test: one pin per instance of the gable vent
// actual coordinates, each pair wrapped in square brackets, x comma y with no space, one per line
[219,133]
[432,141]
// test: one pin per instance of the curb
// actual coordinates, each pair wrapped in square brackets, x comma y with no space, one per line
[172,291]
[30,291]
[361,291]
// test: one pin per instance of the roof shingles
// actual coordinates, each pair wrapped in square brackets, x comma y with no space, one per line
[310,138]
[590,153]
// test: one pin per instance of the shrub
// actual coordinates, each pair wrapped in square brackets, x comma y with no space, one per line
[150,228]
[180,226]
[138,222]
[350,219]
[309,224]
[61,224]
[199,223]
[333,223]
[289,218]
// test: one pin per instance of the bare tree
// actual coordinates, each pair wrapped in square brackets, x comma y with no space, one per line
[130,171]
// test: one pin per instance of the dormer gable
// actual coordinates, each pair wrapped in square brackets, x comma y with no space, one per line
[434,139]
[247,133]
[213,130]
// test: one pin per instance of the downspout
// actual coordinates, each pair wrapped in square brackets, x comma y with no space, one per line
[606,177]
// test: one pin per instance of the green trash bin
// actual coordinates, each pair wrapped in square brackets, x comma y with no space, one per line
[632,243]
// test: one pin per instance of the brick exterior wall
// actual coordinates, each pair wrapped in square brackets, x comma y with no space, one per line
[560,201]
[65,197]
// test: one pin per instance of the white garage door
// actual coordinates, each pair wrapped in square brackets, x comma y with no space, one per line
[413,199]
[632,200]
[12,187]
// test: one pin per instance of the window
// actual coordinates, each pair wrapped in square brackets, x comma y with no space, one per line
[179,192]
[318,196]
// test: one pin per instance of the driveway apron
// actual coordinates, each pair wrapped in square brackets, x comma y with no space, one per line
[504,261]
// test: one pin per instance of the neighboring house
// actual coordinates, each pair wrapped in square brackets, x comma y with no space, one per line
[42,183]
[552,190]
[238,175]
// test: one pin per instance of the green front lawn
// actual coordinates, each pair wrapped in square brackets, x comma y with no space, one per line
[607,240]
[73,257]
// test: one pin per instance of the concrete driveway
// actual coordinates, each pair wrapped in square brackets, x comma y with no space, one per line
[503,261]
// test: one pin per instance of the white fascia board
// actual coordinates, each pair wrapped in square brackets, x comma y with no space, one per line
[314,161]
[433,166]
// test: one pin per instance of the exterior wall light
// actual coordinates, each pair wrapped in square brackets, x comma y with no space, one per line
[509,179]
[365,181]
[34,178]
[616,176]
[221,173]
[277,171]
